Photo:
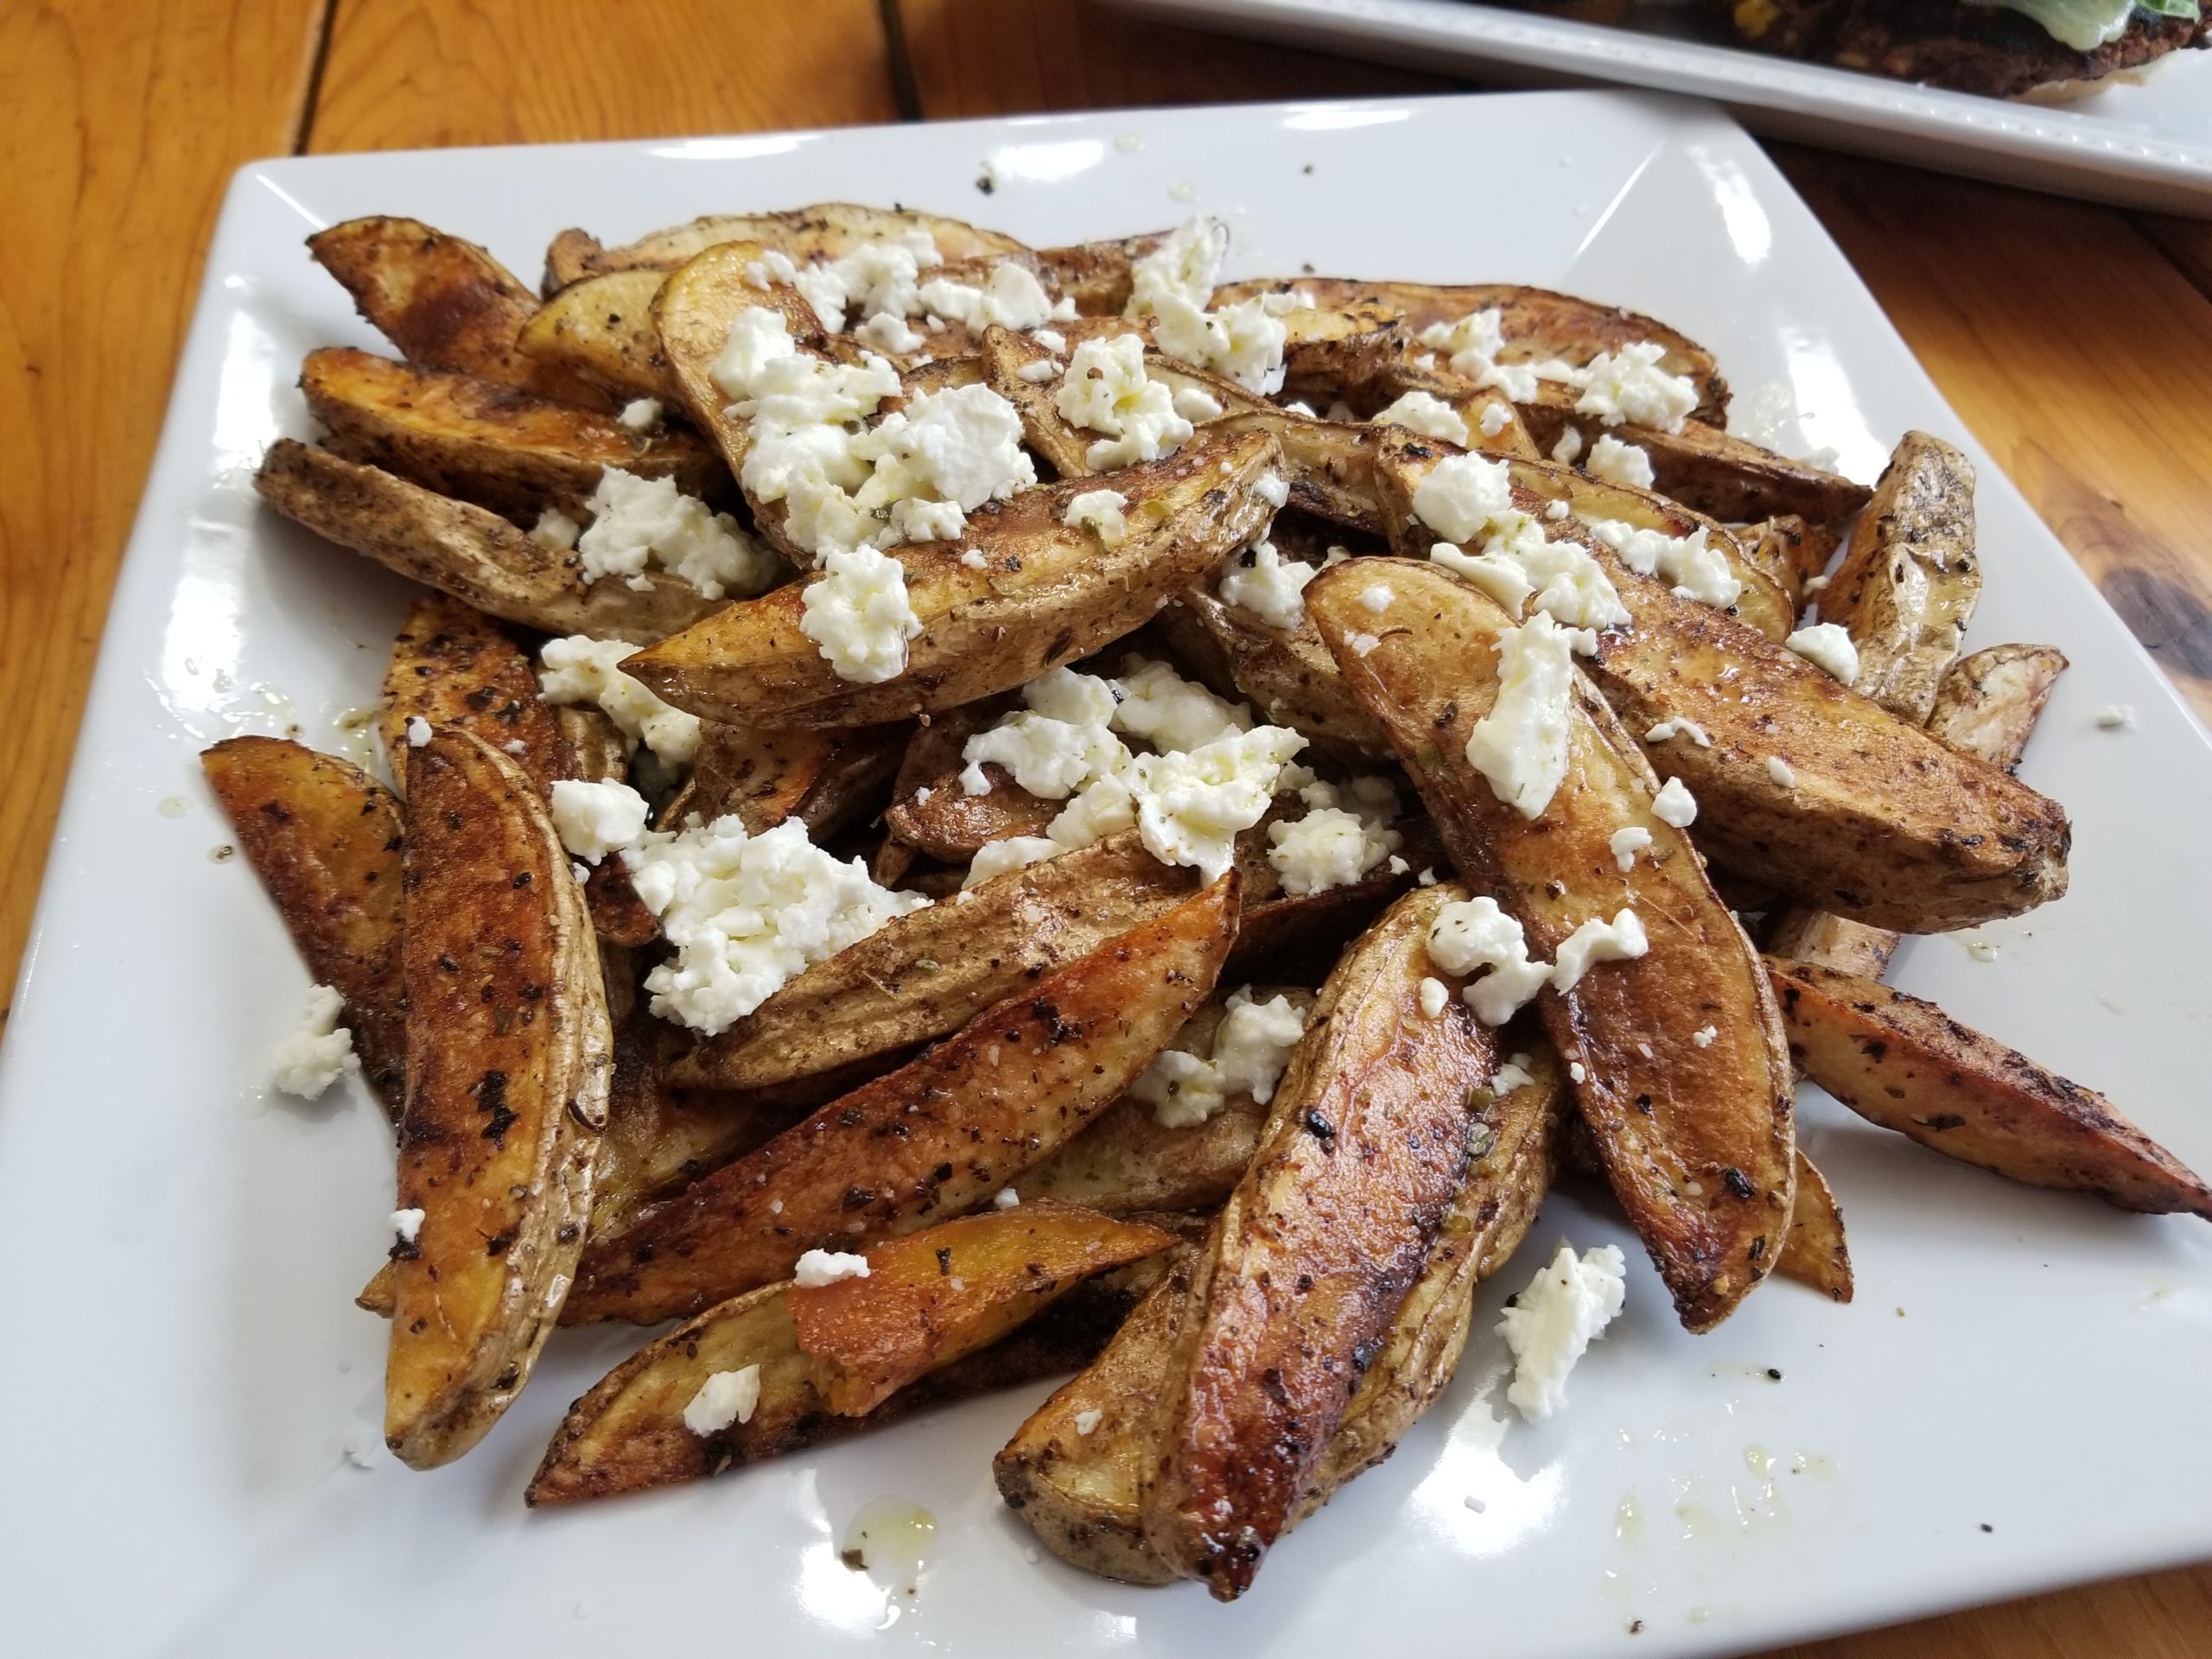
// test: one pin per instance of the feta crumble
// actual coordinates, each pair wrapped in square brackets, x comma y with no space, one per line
[1495,417]
[1196,404]
[1781,771]
[311,1059]
[1629,387]
[858,614]
[1520,745]
[1703,1037]
[1472,937]
[642,522]
[583,670]
[1103,511]
[1434,994]
[1086,1420]
[418,731]
[1107,391]
[1251,1048]
[1627,843]
[1683,725]
[819,1268]
[1827,645]
[1469,498]
[1377,597]
[555,529]
[996,858]
[595,819]
[2116,717]
[1262,581]
[1696,569]
[724,1398]
[1675,804]
[1568,449]
[1328,848]
[1618,463]
[1430,416]
[407,1225]
[1006,1198]
[1553,1322]
[1621,939]
[1514,1074]
[1044,369]
[641,414]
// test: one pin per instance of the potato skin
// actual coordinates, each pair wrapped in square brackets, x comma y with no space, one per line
[324,837]
[1815,1252]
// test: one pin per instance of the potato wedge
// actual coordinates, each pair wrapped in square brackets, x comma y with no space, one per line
[939,1295]
[1816,1253]
[1687,1082]
[1080,1492]
[466,551]
[446,303]
[508,1055]
[453,665]
[935,1138]
[601,330]
[1788,551]
[949,823]
[627,1433]
[324,837]
[1986,707]
[928,973]
[827,230]
[1910,577]
[1368,1139]
[1049,595]
[1710,470]
[486,442]
[1096,276]
[1288,674]
[1909,1066]
[1867,816]
[591,746]
[828,780]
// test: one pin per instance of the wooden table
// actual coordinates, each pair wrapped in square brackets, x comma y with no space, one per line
[2073,339]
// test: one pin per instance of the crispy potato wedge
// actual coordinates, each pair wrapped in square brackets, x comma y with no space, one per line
[1816,1253]
[324,837]
[1288,674]
[1788,551]
[827,230]
[1696,1135]
[1096,276]
[939,1295]
[601,330]
[1988,704]
[627,1433]
[453,665]
[1709,469]
[483,441]
[1049,595]
[446,303]
[1080,1492]
[828,780]
[466,551]
[1367,1140]
[1909,1066]
[591,746]
[932,1140]
[508,1055]
[1910,577]
[1867,817]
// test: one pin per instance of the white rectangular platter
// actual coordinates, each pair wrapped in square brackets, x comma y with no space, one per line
[2142,142]
[2016,1399]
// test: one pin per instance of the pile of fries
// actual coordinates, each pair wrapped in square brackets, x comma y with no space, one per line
[825,870]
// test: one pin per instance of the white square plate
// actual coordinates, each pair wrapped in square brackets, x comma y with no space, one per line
[2141,141]
[2024,1362]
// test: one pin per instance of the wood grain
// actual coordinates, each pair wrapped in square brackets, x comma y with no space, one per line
[410,73]
[122,126]
[2188,243]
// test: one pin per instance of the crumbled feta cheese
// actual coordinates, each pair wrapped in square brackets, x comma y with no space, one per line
[1781,771]
[1006,1199]
[819,1268]
[1361,644]
[1186,265]
[1703,1037]
[1514,1074]
[858,614]
[1520,745]
[581,668]
[1827,645]
[1050,339]
[889,333]
[1272,488]
[724,1398]
[1474,936]
[1010,296]
[1698,569]
[1107,391]
[1155,704]
[418,731]
[1627,843]
[310,1059]
[1679,723]
[1191,805]
[1629,386]
[996,858]
[1471,497]
[1377,597]
[1103,511]
[1558,512]
[1495,417]
[1551,1324]
[596,819]
[1434,994]
[1463,496]
[973,559]
[1196,404]
[1621,939]
[1427,413]
[1251,1047]
[639,523]
[1044,369]
[1576,1072]
[1618,463]
[1261,580]
[1086,1420]
[555,529]
[1242,342]
[1568,449]
[1183,1089]
[2116,717]
[1328,848]
[407,1225]
[1675,804]
[746,913]
[641,414]
[1474,344]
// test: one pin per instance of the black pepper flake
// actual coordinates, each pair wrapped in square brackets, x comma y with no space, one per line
[1986,1527]
[1773,1375]
[491,1093]
[523,879]
[1739,1183]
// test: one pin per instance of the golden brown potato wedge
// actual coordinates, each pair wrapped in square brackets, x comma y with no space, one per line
[1368,1139]
[324,837]
[483,441]
[1909,1066]
[827,230]
[927,973]
[601,330]
[1816,1253]
[1788,551]
[508,1054]
[828,780]
[627,1433]
[591,747]
[1288,674]
[1987,705]
[1080,1492]
[1910,577]
[1096,276]
[1687,1082]
[1048,595]
[949,823]
[939,1295]
[446,303]
[935,1138]
[453,665]
[1863,815]
[1709,469]
[466,551]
